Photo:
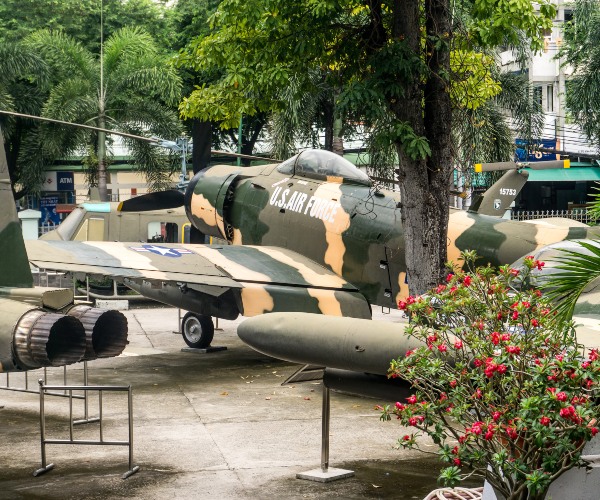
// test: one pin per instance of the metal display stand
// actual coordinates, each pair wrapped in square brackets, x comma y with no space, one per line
[325,474]
[44,390]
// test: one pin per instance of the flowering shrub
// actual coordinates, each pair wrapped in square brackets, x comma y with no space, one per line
[502,386]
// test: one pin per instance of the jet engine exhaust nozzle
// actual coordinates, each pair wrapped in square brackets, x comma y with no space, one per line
[105,331]
[48,339]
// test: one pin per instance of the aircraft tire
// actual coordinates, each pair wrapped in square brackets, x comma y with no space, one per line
[197,330]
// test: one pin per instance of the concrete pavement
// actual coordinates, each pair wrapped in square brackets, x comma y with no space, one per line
[216,425]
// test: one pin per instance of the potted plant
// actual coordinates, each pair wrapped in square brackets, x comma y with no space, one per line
[501,384]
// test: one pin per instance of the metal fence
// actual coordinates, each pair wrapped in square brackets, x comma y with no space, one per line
[580,215]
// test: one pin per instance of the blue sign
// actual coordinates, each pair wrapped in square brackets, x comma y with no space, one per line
[64,181]
[48,209]
[534,154]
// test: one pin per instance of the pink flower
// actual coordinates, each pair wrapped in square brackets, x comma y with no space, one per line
[496,416]
[440,288]
[585,365]
[453,383]
[489,435]
[400,406]
[458,344]
[411,399]
[593,355]
[545,421]
[412,421]
[402,305]
[514,272]
[478,394]
[442,348]
[515,315]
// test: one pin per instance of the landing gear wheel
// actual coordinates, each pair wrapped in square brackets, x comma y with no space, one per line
[197,331]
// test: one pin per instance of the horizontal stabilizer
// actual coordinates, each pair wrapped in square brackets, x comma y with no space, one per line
[162,200]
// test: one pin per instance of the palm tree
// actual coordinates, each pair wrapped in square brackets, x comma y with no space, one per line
[130,87]
[23,89]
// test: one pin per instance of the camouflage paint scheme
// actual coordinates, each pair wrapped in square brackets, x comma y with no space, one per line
[43,326]
[351,227]
[310,234]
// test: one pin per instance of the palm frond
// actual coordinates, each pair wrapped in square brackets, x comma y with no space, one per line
[577,270]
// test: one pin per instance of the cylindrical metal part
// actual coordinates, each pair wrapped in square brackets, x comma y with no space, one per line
[346,343]
[105,331]
[47,339]
[326,414]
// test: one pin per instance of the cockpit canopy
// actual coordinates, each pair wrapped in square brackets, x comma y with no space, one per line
[323,165]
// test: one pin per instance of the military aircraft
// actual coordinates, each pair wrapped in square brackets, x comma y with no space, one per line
[310,234]
[42,327]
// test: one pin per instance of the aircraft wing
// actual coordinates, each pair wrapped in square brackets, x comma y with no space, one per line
[222,281]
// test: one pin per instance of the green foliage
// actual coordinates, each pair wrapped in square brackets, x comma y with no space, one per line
[581,51]
[502,385]
[80,19]
[575,271]
[139,93]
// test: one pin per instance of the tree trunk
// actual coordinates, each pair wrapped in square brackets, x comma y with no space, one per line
[102,183]
[202,139]
[424,182]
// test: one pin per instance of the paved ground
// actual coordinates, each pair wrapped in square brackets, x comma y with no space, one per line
[217,425]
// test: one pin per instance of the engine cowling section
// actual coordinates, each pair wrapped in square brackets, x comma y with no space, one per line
[207,201]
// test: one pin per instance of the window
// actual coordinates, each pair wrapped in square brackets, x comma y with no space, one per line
[550,98]
[537,96]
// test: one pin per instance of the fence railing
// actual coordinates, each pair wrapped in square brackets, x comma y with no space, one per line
[580,215]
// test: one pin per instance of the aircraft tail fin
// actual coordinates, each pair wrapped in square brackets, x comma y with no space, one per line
[14,266]
[499,197]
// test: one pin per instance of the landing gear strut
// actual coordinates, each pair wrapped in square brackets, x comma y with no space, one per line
[197,330]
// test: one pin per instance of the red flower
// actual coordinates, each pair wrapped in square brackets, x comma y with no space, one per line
[495,338]
[477,394]
[559,357]
[513,349]
[496,416]
[499,315]
[545,421]
[515,315]
[512,432]
[561,396]
[411,399]
[593,355]
[505,337]
[406,437]
[412,421]
[458,344]
[585,365]
[409,353]
[477,362]
[539,264]
[467,281]
[501,368]
[400,406]
[535,323]
[594,430]
[402,305]
[440,288]
[453,383]
[442,348]
[457,462]
[489,435]
[449,277]
[514,272]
